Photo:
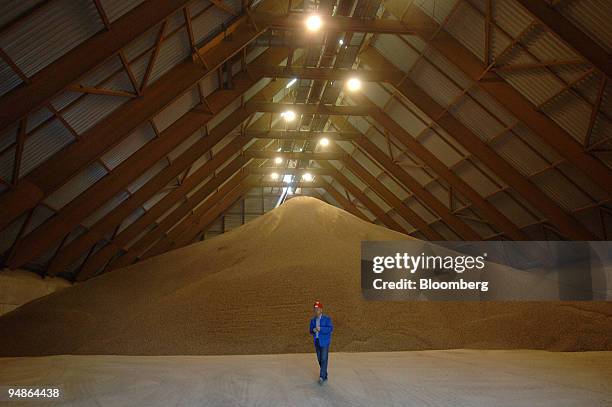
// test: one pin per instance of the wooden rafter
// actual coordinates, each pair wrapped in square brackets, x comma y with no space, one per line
[472,143]
[74,249]
[29,13]
[53,173]
[537,65]
[570,34]
[514,101]
[221,5]
[292,22]
[19,150]
[100,91]
[212,208]
[9,61]
[52,79]
[339,112]
[102,13]
[342,200]
[365,200]
[400,207]
[415,187]
[130,74]
[595,111]
[154,54]
[134,230]
[487,26]
[131,169]
[115,217]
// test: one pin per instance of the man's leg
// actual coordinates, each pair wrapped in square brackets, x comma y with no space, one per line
[318,350]
[324,357]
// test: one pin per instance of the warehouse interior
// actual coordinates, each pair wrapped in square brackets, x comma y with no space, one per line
[181,179]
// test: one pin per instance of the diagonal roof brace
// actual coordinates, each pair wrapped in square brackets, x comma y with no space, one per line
[52,79]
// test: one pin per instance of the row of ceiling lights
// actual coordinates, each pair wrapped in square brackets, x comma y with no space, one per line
[307,177]
[313,24]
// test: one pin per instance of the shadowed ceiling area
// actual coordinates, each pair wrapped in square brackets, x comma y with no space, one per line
[129,128]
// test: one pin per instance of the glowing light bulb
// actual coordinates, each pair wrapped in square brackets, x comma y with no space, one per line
[313,23]
[341,42]
[324,141]
[289,115]
[353,84]
[278,160]
[291,82]
[274,176]
[307,177]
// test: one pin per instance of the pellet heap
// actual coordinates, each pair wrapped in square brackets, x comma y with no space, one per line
[251,290]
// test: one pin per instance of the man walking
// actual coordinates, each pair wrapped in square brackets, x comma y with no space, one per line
[321,328]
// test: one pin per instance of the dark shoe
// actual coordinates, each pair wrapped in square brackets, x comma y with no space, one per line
[321,380]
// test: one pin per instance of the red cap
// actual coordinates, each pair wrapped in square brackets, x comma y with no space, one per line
[317,304]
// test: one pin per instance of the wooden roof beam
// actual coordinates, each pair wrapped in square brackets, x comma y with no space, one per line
[56,171]
[112,220]
[302,134]
[86,203]
[51,80]
[330,74]
[289,22]
[431,202]
[343,201]
[569,226]
[400,207]
[370,204]
[296,156]
[182,163]
[335,110]
[544,127]
[570,34]
[292,171]
[177,195]
[443,171]
[185,232]
[129,170]
[138,248]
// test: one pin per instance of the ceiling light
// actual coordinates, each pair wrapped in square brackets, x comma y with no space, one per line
[291,82]
[278,160]
[353,84]
[289,115]
[307,177]
[274,176]
[341,41]
[313,23]
[324,141]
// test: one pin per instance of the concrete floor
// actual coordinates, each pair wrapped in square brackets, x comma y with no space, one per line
[429,378]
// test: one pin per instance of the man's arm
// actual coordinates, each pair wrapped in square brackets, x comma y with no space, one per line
[327,328]
[311,327]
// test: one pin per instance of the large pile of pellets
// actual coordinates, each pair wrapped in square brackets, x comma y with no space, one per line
[251,291]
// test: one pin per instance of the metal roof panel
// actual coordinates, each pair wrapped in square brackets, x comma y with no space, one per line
[8,78]
[172,51]
[105,209]
[177,109]
[75,186]
[117,8]
[45,36]
[90,110]
[42,144]
[590,16]
[128,146]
